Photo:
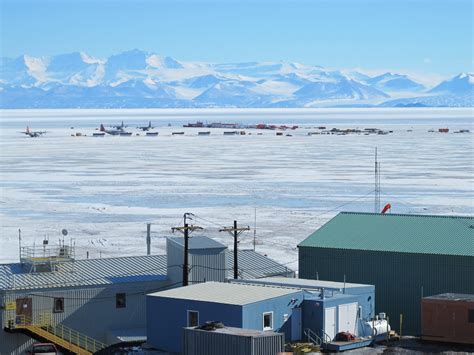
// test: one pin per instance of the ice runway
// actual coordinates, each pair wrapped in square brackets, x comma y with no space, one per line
[105,190]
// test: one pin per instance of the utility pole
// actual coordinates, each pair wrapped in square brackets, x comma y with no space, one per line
[148,238]
[185,230]
[235,231]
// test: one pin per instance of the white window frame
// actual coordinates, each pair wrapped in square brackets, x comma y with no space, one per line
[187,320]
[271,320]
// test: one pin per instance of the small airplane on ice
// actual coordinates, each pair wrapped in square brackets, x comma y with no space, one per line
[146,128]
[114,132]
[33,134]
[119,126]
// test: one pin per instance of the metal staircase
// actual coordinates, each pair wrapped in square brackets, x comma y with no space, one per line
[41,325]
[313,337]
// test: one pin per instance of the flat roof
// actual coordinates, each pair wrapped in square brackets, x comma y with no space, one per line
[226,293]
[461,297]
[198,242]
[237,331]
[302,283]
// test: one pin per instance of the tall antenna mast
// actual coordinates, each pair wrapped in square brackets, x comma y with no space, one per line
[377,184]
[255,229]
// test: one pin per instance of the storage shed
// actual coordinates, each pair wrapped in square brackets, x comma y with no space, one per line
[448,317]
[404,256]
[232,341]
[243,306]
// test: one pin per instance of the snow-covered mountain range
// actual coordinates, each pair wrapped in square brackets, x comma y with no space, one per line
[136,79]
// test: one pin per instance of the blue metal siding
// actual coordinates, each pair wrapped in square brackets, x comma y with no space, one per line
[166,318]
[313,315]
[91,310]
[252,316]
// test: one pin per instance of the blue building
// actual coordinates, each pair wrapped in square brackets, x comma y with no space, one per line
[329,307]
[103,300]
[294,307]
[241,306]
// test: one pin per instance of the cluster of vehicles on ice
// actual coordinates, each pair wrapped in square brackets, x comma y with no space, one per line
[120,130]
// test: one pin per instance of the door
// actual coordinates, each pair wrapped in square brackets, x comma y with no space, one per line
[330,322]
[296,324]
[24,310]
[347,318]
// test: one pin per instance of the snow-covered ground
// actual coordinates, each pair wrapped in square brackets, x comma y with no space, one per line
[105,190]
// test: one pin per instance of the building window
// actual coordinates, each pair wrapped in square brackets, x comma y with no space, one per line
[58,306]
[193,318]
[120,300]
[470,315]
[268,321]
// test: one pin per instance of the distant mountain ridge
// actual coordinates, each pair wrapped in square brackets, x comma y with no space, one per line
[138,78]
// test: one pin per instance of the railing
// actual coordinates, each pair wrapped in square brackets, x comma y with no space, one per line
[325,337]
[69,335]
[313,337]
[47,252]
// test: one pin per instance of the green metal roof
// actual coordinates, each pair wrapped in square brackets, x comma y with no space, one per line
[446,235]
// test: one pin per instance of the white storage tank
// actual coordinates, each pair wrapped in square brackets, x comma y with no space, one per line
[377,328]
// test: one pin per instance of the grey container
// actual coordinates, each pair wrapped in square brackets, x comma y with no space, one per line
[232,341]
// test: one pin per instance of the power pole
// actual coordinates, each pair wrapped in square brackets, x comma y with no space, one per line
[185,230]
[148,238]
[235,231]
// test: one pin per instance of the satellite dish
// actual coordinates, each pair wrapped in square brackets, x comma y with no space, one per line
[64,232]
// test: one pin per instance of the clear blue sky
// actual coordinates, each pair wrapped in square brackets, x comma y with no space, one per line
[419,35]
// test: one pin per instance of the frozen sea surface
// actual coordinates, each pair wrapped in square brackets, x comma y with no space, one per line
[105,190]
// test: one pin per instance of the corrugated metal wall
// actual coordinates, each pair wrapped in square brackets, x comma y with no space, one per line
[205,264]
[211,343]
[175,259]
[91,311]
[400,279]
[208,265]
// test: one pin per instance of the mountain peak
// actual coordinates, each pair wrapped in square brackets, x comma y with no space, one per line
[147,79]
[462,83]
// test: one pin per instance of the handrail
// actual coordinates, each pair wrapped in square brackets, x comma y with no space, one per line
[325,337]
[71,336]
[313,337]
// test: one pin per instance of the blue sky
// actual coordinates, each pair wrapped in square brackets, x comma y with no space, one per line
[420,36]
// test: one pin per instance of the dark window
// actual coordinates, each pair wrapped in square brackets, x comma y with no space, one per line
[120,300]
[193,318]
[268,321]
[470,315]
[58,305]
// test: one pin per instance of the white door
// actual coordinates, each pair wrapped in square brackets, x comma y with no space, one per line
[330,322]
[296,324]
[347,318]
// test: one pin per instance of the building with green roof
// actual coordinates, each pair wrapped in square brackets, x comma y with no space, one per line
[406,257]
